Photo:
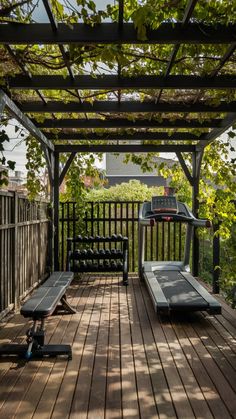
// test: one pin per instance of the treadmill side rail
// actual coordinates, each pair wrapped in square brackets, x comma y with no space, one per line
[158,298]
[214,305]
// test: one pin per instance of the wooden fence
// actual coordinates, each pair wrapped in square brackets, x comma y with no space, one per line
[24,228]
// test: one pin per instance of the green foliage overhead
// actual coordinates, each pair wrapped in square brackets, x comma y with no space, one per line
[35,163]
[7,164]
[218,168]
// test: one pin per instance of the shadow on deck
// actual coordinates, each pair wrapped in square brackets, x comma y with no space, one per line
[127,362]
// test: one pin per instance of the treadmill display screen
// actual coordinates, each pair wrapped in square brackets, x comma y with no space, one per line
[164,204]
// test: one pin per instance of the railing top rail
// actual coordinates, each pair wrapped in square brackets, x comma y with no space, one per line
[105,202]
[6,193]
[22,196]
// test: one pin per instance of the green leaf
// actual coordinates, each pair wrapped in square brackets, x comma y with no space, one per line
[231,134]
[11,164]
[4,136]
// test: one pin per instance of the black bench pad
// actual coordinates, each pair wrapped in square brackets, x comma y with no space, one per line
[44,300]
[58,279]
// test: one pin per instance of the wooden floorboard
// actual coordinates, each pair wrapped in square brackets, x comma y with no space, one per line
[113,384]
[127,361]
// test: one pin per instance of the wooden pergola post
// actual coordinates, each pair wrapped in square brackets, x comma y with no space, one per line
[55,212]
[196,168]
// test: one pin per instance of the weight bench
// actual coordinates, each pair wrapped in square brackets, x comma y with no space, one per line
[43,303]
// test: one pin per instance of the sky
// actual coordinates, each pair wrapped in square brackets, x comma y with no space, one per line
[15,149]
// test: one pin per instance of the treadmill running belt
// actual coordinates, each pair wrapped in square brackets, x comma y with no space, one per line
[178,291]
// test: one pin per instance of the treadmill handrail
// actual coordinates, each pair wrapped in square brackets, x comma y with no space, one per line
[163,216]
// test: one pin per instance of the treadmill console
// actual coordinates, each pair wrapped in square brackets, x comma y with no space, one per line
[162,204]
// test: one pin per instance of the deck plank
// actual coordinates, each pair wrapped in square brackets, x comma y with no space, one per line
[177,390]
[127,361]
[36,390]
[16,374]
[83,386]
[147,404]
[97,400]
[80,322]
[221,384]
[222,345]
[217,355]
[113,391]
[193,391]
[211,395]
[161,390]
[49,395]
[130,405]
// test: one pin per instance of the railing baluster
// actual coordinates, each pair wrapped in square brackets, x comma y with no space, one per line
[163,241]
[180,241]
[174,240]
[62,235]
[104,216]
[151,242]
[168,239]
[133,235]
[92,220]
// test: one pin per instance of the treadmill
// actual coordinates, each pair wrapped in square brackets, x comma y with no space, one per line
[170,283]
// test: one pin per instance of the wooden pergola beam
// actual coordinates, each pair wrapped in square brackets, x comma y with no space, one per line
[126,107]
[122,123]
[85,82]
[121,148]
[24,120]
[114,136]
[108,33]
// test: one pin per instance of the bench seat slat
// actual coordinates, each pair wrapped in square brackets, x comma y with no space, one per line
[43,302]
[34,300]
[58,278]
[47,305]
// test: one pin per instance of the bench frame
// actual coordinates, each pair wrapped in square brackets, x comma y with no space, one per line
[35,335]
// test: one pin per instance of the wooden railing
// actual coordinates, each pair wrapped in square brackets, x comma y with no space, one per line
[24,239]
[24,227]
[163,242]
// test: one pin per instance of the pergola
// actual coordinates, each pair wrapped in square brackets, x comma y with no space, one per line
[163,121]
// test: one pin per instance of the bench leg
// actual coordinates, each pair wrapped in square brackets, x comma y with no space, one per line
[35,347]
[67,306]
[53,350]
[31,339]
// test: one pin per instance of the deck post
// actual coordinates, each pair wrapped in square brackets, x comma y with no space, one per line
[2,105]
[196,168]
[216,258]
[15,252]
[55,215]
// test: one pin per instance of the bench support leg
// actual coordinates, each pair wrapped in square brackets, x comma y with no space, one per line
[35,347]
[67,307]
[31,339]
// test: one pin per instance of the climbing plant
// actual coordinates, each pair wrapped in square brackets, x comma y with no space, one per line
[131,60]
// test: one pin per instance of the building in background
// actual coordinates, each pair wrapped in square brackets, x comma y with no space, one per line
[14,180]
[117,171]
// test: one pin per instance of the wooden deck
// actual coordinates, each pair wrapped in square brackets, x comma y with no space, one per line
[127,362]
